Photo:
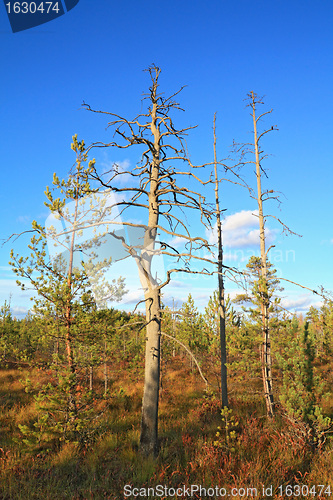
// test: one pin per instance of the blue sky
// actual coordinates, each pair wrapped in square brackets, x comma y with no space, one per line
[220,50]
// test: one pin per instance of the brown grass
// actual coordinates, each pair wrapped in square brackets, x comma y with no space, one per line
[264,453]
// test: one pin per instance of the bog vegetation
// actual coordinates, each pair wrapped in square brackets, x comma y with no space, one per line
[94,456]
[235,397]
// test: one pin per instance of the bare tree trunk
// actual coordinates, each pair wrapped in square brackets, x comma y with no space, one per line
[91,377]
[69,340]
[161,368]
[173,321]
[158,194]
[71,366]
[266,345]
[105,371]
[223,346]
[149,421]
[56,349]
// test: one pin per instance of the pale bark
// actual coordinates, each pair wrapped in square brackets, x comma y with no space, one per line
[149,418]
[157,194]
[266,345]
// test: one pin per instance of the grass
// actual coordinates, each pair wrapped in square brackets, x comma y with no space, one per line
[263,453]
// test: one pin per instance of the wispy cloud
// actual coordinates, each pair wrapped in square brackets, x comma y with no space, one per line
[6,273]
[9,286]
[178,284]
[300,303]
[23,219]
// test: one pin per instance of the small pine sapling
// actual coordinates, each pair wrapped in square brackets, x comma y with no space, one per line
[302,391]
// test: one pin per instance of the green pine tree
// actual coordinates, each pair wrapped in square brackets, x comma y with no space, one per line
[302,389]
[64,296]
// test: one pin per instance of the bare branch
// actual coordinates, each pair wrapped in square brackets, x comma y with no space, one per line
[191,354]
[302,286]
[18,235]
[285,227]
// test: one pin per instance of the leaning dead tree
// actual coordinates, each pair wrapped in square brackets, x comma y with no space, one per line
[160,191]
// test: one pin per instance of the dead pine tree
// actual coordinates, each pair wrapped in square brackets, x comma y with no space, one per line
[223,346]
[232,175]
[160,190]
[260,197]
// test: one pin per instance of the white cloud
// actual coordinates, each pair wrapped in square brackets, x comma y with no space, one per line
[295,303]
[8,285]
[109,167]
[242,219]
[241,230]
[133,297]
[19,311]
[229,256]
[178,284]
[177,241]
[20,300]
[300,303]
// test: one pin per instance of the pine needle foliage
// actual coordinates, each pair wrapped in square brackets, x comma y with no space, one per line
[302,390]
